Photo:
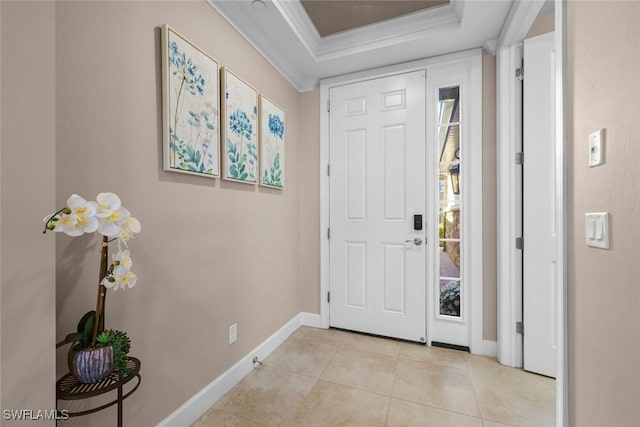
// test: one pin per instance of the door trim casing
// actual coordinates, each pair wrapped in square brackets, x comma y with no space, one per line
[509,228]
[507,315]
[468,76]
[476,339]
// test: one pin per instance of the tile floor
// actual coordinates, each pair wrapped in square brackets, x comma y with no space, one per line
[335,378]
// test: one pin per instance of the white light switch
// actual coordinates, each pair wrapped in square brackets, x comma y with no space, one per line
[597,229]
[596,147]
[591,229]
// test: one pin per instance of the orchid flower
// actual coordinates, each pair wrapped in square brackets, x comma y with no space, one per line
[107,216]
[107,204]
[128,228]
[121,278]
[123,259]
[82,218]
[110,225]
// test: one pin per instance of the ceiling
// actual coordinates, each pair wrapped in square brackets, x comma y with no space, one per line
[333,16]
[286,35]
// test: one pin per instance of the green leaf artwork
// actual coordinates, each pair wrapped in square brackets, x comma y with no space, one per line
[272,135]
[240,129]
[191,103]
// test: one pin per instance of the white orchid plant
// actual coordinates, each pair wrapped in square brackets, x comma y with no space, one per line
[113,221]
[108,217]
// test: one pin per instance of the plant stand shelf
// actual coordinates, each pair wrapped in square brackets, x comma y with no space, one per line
[69,388]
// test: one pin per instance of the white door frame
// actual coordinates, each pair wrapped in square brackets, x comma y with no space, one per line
[509,268]
[509,53]
[477,345]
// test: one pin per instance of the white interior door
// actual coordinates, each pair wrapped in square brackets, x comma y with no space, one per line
[539,206]
[377,185]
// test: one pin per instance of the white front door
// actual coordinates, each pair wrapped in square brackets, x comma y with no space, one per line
[539,207]
[377,187]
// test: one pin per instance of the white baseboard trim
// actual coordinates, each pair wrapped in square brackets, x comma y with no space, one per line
[489,348]
[310,319]
[192,409]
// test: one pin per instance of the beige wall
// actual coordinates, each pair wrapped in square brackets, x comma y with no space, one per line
[211,252]
[544,23]
[604,295]
[489,200]
[27,311]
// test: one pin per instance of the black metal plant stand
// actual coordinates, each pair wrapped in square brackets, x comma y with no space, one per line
[69,388]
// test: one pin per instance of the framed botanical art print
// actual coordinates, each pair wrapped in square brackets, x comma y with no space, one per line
[272,134]
[191,97]
[240,129]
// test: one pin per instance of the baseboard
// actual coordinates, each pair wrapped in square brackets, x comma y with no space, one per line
[192,409]
[310,319]
[489,348]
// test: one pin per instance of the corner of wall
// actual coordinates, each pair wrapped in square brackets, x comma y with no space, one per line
[27,258]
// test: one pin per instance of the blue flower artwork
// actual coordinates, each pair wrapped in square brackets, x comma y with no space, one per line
[190,96]
[272,133]
[240,129]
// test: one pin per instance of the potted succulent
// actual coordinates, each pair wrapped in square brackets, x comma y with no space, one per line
[94,352]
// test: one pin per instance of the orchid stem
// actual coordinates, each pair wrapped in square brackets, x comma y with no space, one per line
[51,218]
[102,291]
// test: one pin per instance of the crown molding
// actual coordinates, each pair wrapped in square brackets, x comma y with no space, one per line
[369,37]
[283,33]
[392,32]
[490,46]
[272,56]
[294,13]
[521,16]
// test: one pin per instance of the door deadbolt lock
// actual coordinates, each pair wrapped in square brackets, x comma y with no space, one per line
[417,241]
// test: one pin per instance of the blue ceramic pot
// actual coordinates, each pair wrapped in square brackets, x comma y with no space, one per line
[91,366]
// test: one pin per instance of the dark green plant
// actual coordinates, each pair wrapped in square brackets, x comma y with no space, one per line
[450,298]
[84,335]
[121,346]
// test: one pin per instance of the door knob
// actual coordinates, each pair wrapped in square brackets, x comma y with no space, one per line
[417,241]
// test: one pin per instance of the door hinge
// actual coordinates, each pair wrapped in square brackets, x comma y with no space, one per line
[328,296]
[328,106]
[520,243]
[328,170]
[520,73]
[520,158]
[520,328]
[328,233]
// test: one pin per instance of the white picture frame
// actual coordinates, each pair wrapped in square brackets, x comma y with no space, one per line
[240,129]
[190,104]
[272,144]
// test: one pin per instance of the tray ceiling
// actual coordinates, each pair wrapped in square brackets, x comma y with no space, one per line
[334,16]
[285,34]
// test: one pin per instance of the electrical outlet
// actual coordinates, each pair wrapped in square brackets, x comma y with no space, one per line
[233,333]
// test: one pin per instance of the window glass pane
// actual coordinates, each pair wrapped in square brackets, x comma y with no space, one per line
[450,259]
[450,297]
[450,206]
[449,105]
[451,224]
[449,146]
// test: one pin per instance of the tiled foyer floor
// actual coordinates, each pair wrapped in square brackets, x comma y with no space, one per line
[334,378]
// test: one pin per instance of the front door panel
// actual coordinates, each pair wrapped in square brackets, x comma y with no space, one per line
[377,185]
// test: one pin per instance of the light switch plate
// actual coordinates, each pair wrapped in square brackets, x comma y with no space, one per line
[597,229]
[596,148]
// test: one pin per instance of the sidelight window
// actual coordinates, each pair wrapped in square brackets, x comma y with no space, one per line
[450,202]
